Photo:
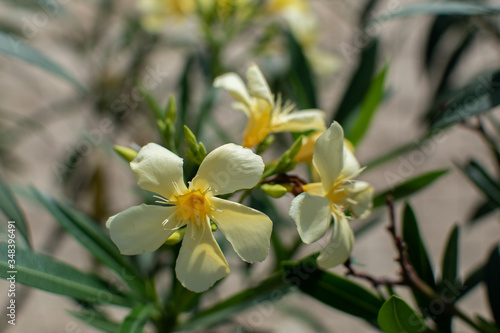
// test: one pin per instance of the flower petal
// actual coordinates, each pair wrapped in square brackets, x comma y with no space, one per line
[200,262]
[139,229]
[351,166]
[312,216]
[233,83]
[257,85]
[300,121]
[229,168]
[157,169]
[328,155]
[338,249]
[362,193]
[247,229]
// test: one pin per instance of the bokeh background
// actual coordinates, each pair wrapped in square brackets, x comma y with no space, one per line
[43,119]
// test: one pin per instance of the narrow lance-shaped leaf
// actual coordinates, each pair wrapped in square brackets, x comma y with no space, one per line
[300,75]
[409,187]
[440,25]
[471,281]
[268,291]
[11,45]
[96,319]
[397,316]
[439,8]
[369,106]
[450,259]
[137,319]
[492,278]
[416,250]
[417,254]
[12,211]
[94,239]
[358,86]
[47,274]
[483,180]
[478,97]
[333,290]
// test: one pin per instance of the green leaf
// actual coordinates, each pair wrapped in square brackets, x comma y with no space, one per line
[396,316]
[409,187]
[477,97]
[450,258]
[492,278]
[96,319]
[483,180]
[358,86]
[94,239]
[471,281]
[267,293]
[439,8]
[333,290]
[12,211]
[300,75]
[480,211]
[47,274]
[369,105]
[440,25]
[11,45]
[152,103]
[486,326]
[416,250]
[137,319]
[431,138]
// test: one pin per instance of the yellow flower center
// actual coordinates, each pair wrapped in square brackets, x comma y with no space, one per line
[193,206]
[259,124]
[338,196]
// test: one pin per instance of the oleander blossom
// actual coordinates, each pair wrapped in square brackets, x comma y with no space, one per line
[266,116]
[336,194]
[200,263]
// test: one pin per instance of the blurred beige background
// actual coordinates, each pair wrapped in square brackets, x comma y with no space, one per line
[445,203]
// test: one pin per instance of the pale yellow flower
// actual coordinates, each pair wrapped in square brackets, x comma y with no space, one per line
[156,12]
[336,194]
[145,228]
[264,115]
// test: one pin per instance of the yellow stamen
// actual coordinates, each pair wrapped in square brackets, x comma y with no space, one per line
[193,206]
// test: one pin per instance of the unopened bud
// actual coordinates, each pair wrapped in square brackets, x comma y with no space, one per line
[275,191]
[128,154]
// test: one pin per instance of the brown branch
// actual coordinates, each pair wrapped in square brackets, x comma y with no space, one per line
[282,178]
[373,280]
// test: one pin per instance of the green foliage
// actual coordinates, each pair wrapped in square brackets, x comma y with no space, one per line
[38,271]
[369,106]
[12,211]
[417,252]
[333,290]
[359,84]
[300,75]
[483,180]
[408,187]
[478,97]
[450,259]
[196,151]
[491,277]
[396,316]
[13,46]
[137,319]
[442,8]
[94,239]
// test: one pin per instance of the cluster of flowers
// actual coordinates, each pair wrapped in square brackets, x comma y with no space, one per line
[296,15]
[230,168]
